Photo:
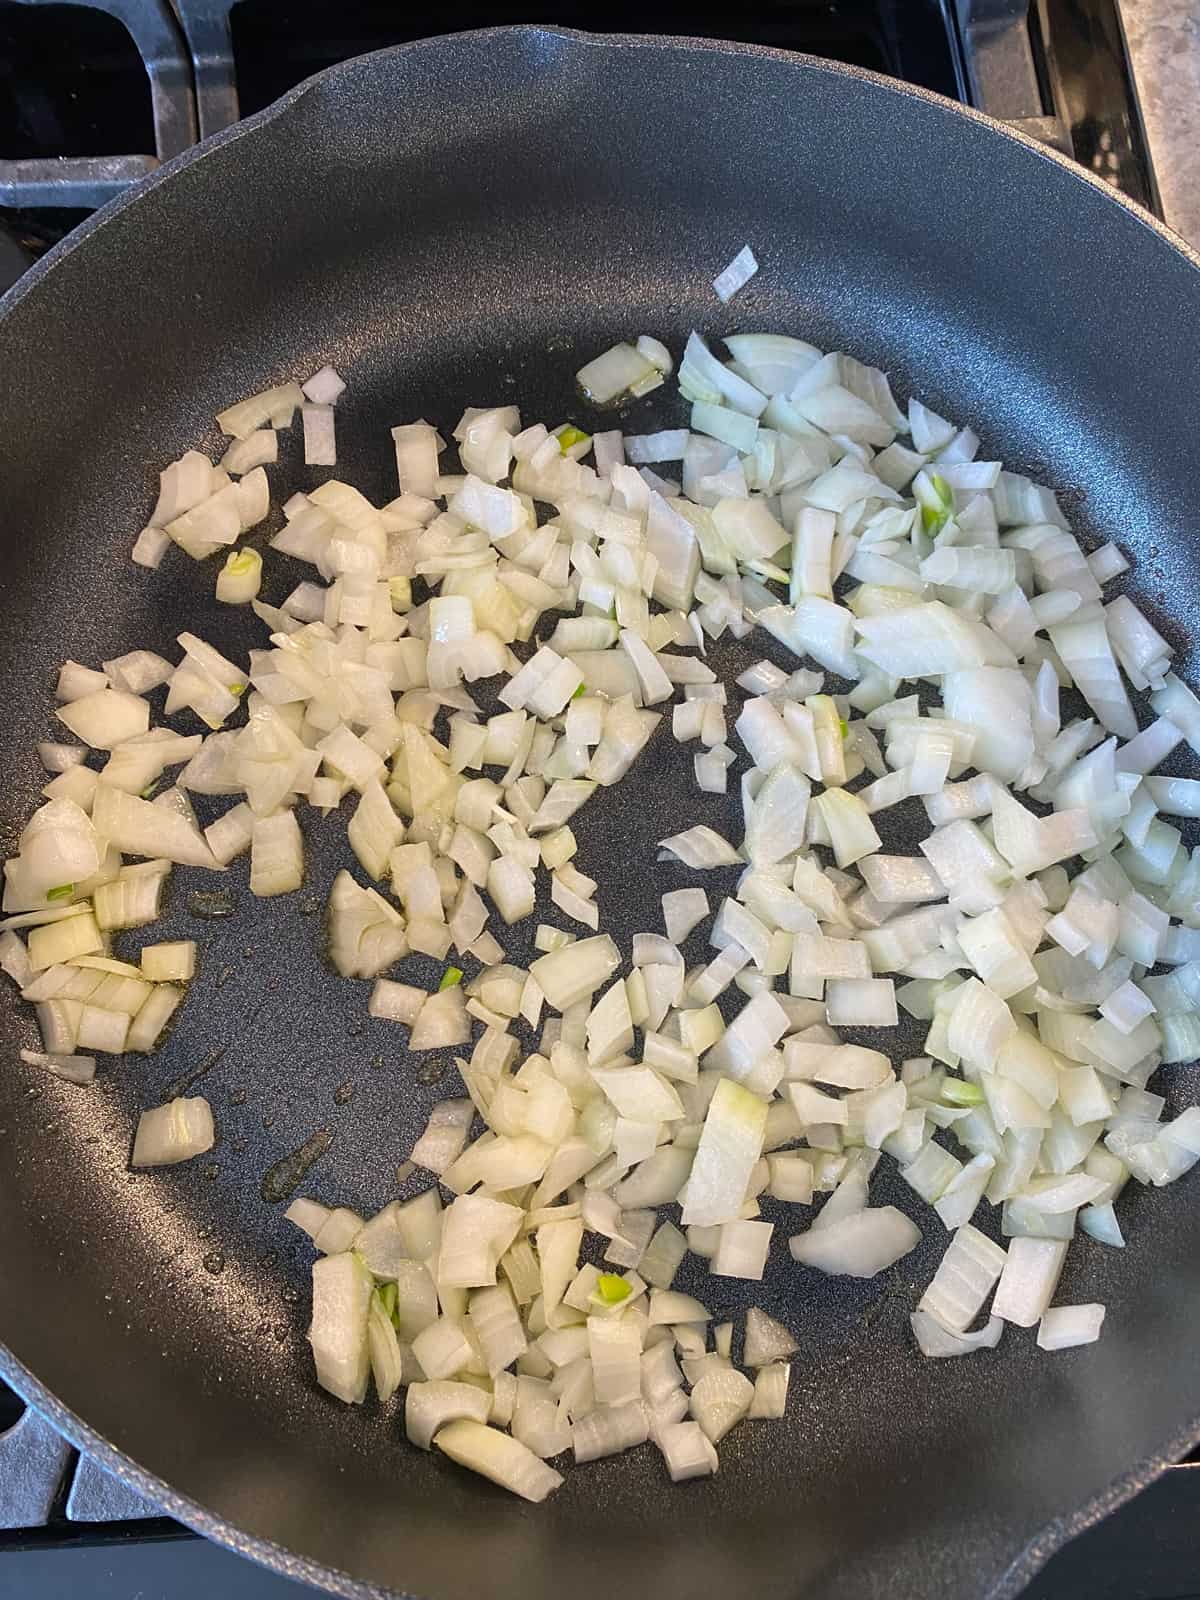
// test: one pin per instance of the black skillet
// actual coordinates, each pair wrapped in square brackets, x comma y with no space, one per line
[464,221]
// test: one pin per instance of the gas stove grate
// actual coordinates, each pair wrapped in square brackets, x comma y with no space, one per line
[1055,68]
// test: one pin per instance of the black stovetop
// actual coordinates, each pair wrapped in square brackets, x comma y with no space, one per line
[73,85]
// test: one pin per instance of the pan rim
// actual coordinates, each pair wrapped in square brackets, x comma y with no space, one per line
[29,282]
[303,1569]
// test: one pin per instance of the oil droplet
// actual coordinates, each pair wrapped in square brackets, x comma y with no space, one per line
[237,1097]
[355,1027]
[377,1063]
[224,976]
[344,1092]
[210,903]
[182,1085]
[268,1121]
[310,907]
[214,1263]
[211,1171]
[430,1071]
[284,1177]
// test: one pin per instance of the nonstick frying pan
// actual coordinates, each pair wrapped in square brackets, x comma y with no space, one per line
[464,221]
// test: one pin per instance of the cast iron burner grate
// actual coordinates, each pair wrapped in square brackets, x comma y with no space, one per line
[94,94]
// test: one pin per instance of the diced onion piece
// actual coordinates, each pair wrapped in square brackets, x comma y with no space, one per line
[609,1430]
[431,1406]
[687,1451]
[137,672]
[63,940]
[240,579]
[395,1002]
[851,830]
[1064,1327]
[257,449]
[965,1277]
[683,910]
[320,449]
[609,376]
[276,855]
[75,1069]
[138,828]
[175,1132]
[497,1456]
[169,963]
[742,1249]
[276,406]
[702,848]
[324,387]
[739,272]
[147,1026]
[719,1401]
[766,1340]
[859,1245]
[1027,1283]
[730,1145]
[574,972]
[861,1002]
[106,718]
[150,547]
[342,1290]
[935,1339]
[770,1391]
[441,1021]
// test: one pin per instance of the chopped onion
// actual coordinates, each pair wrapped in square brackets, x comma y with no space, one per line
[613,374]
[770,1391]
[175,1132]
[1030,971]
[739,272]
[496,1456]
[934,1339]
[342,1290]
[1064,1327]
[1027,1283]
[687,1451]
[720,1400]
[857,1246]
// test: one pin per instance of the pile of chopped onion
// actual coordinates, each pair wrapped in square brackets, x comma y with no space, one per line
[461,674]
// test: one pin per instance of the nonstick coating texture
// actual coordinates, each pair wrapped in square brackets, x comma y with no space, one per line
[464,222]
